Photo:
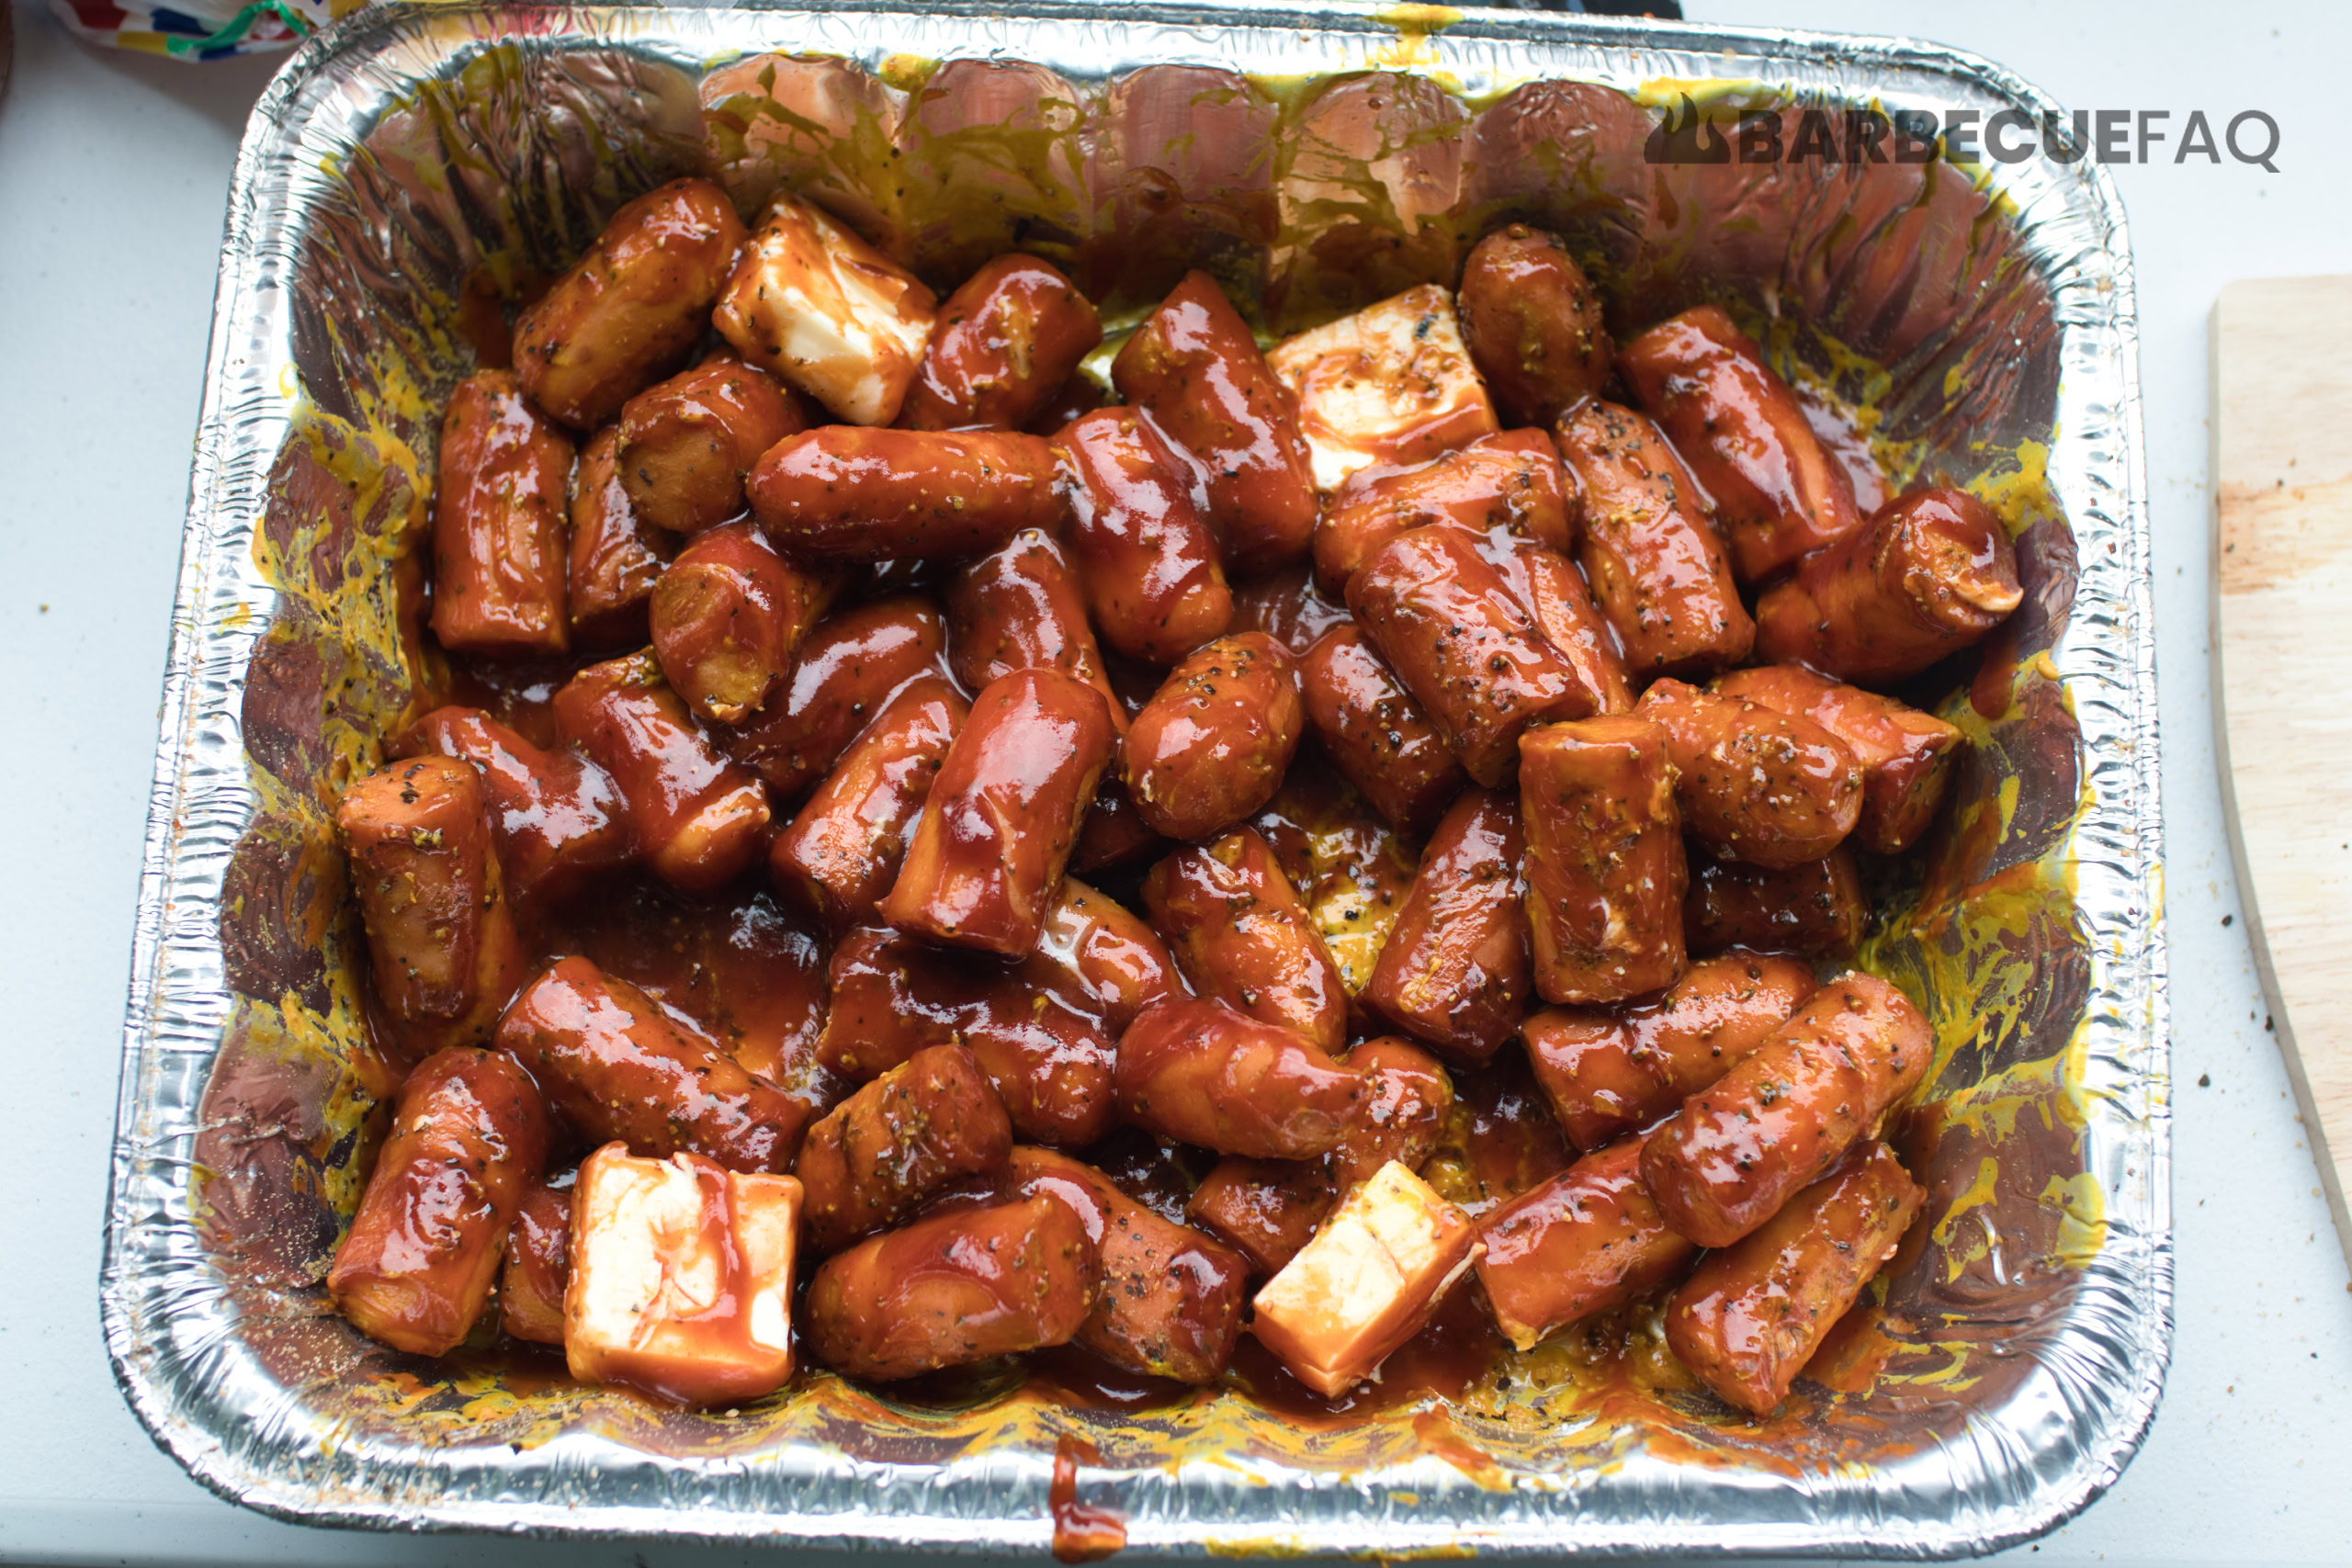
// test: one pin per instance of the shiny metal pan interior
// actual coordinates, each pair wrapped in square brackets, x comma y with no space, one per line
[1979,323]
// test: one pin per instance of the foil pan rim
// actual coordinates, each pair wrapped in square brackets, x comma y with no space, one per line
[227,468]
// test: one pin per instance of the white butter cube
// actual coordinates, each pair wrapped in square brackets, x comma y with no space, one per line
[1367,1282]
[827,312]
[681,1277]
[1391,384]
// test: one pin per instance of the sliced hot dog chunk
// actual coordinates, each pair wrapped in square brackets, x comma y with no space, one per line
[1213,742]
[1650,551]
[1778,494]
[631,309]
[1754,784]
[501,559]
[1019,607]
[681,1277]
[1195,372]
[538,1267]
[1752,1314]
[1742,1147]
[728,617]
[1172,1300]
[556,817]
[1407,1099]
[958,1286]
[850,665]
[1241,935]
[616,1067]
[1906,756]
[1366,1283]
[616,555]
[871,1160]
[1374,733]
[1511,481]
[1201,1072]
[846,494]
[442,943]
[1533,324]
[839,855]
[468,1138]
[686,444]
[1588,1240]
[1605,868]
[816,306]
[1266,1209]
[1930,573]
[699,819]
[986,858]
[1610,1071]
[1004,344]
[1150,567]
[1444,622]
[1390,384]
[1456,971]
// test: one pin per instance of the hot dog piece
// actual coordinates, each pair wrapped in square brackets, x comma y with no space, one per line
[1753,1315]
[1171,1299]
[850,665]
[1778,494]
[1588,1240]
[1905,755]
[1019,607]
[1512,481]
[1650,552]
[1115,833]
[842,852]
[1442,619]
[1242,936]
[468,1139]
[1147,557]
[1375,734]
[681,1277]
[686,444]
[1213,744]
[1551,588]
[630,309]
[1610,1072]
[1754,784]
[824,312]
[616,555]
[960,1286]
[1816,909]
[1041,1041]
[986,858]
[1266,1209]
[1391,384]
[841,493]
[727,618]
[1201,1072]
[1407,1099]
[1930,573]
[1742,1147]
[1605,872]
[1195,372]
[1532,323]
[1366,1283]
[873,1159]
[614,1066]
[699,819]
[1456,971]
[1004,344]
[441,937]
[557,817]
[1114,962]
[538,1267]
[1286,606]
[500,557]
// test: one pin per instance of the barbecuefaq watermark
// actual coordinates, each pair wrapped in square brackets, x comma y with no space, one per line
[1723,133]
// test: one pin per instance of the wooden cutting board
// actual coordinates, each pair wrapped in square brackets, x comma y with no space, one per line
[2282,653]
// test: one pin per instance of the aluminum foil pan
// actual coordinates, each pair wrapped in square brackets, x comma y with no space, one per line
[1978,321]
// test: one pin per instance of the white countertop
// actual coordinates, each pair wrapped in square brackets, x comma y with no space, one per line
[113,171]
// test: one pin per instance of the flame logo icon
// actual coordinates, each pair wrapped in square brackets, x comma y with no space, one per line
[1689,138]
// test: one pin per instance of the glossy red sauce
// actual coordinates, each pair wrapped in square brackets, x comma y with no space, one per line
[1082,1533]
